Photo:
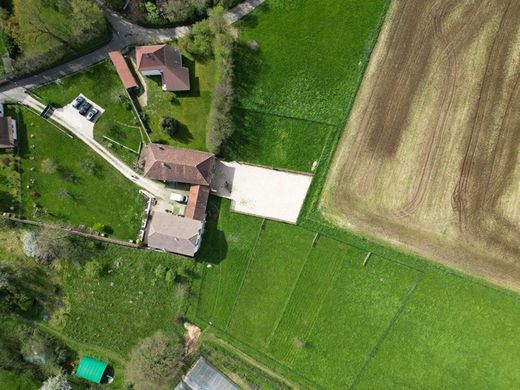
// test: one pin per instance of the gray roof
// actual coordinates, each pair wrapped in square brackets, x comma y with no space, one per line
[203,376]
[173,234]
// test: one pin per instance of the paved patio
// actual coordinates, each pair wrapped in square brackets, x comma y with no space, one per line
[263,192]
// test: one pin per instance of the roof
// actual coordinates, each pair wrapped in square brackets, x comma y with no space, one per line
[203,376]
[173,234]
[122,69]
[197,202]
[91,369]
[167,60]
[169,163]
[7,136]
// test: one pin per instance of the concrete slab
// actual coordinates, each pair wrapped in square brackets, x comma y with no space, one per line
[263,192]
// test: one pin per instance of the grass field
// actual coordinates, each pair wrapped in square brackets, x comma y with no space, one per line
[72,193]
[11,380]
[127,303]
[191,108]
[318,316]
[450,193]
[102,85]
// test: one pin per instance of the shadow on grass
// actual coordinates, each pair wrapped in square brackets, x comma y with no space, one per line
[244,143]
[214,244]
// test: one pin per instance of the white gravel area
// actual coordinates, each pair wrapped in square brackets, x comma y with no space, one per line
[69,114]
[263,192]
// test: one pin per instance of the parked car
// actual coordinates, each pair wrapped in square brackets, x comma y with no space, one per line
[84,108]
[92,114]
[78,101]
[179,198]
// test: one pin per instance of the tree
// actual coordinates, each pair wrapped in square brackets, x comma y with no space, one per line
[48,166]
[43,350]
[58,382]
[169,125]
[217,20]
[152,12]
[155,362]
[46,245]
[89,166]
[199,41]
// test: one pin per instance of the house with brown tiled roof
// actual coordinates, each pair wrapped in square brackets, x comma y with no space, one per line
[164,61]
[8,134]
[168,163]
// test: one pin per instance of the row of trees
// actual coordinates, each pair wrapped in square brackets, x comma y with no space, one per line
[215,37]
[168,12]
[47,30]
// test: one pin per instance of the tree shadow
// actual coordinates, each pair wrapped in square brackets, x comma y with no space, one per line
[183,134]
[244,143]
[214,246]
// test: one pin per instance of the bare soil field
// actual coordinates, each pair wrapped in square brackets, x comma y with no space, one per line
[429,159]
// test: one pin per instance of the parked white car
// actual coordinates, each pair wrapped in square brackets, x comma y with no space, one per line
[178,198]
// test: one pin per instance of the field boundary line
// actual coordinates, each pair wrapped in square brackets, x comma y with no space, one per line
[289,296]
[321,226]
[289,117]
[387,330]
[249,261]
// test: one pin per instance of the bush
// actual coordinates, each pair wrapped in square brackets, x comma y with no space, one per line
[169,125]
[58,382]
[155,362]
[43,350]
[93,269]
[48,166]
[99,228]
[46,245]
[198,42]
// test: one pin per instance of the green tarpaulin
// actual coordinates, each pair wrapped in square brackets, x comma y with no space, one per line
[91,369]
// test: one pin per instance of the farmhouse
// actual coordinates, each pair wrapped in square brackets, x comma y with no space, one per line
[204,376]
[170,232]
[122,69]
[170,164]
[8,136]
[164,61]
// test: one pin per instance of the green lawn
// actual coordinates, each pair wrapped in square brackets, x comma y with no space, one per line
[102,85]
[73,194]
[10,182]
[276,141]
[191,108]
[318,316]
[127,303]
[11,380]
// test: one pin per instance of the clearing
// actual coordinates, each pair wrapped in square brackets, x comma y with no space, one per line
[429,158]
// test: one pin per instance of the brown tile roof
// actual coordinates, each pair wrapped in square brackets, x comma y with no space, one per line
[7,136]
[173,233]
[197,202]
[167,60]
[168,163]
[122,69]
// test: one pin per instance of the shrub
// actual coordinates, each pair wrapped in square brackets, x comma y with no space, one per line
[46,245]
[199,41]
[169,125]
[155,362]
[58,382]
[99,228]
[93,269]
[43,350]
[48,166]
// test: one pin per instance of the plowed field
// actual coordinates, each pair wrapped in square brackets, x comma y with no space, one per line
[429,159]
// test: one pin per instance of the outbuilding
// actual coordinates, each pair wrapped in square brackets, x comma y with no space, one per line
[93,370]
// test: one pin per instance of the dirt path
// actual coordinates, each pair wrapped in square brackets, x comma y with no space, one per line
[429,159]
